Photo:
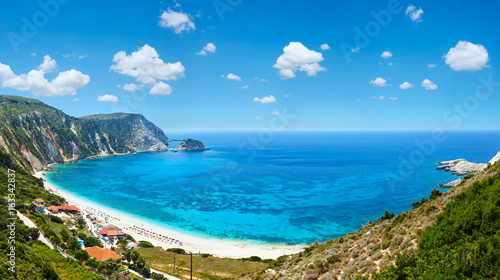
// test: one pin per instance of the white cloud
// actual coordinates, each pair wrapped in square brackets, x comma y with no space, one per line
[390,63]
[245,87]
[161,89]
[431,65]
[208,48]
[48,64]
[178,21]
[386,54]
[130,87]
[107,98]
[379,82]
[264,80]
[74,56]
[66,83]
[287,95]
[414,13]
[467,56]
[406,85]
[325,47]
[232,76]
[33,54]
[393,98]
[146,66]
[296,57]
[76,99]
[355,50]
[265,99]
[428,85]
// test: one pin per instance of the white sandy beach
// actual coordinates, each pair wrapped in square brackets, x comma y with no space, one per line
[213,246]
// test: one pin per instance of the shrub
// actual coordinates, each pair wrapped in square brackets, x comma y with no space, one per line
[56,219]
[387,215]
[177,251]
[146,244]
[435,194]
[254,259]
[146,272]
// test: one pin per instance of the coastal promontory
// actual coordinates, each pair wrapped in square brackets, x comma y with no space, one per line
[191,145]
[36,134]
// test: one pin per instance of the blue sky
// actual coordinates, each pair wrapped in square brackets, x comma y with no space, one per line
[274,54]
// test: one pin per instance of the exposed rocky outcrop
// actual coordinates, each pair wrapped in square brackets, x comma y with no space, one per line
[461,166]
[133,131]
[451,184]
[191,145]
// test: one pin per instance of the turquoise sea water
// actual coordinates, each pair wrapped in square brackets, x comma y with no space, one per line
[287,187]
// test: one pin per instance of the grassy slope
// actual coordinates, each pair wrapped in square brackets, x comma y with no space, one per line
[204,268]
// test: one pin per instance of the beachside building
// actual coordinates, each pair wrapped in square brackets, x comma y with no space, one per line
[102,254]
[57,209]
[40,205]
[112,232]
[53,209]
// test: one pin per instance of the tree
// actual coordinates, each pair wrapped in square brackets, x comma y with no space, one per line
[72,243]
[135,256]
[93,263]
[122,243]
[34,233]
[146,272]
[141,263]
[65,234]
[91,241]
[128,255]
[55,239]
[110,264]
[80,222]
[81,255]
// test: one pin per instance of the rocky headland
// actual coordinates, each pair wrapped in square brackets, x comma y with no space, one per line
[191,145]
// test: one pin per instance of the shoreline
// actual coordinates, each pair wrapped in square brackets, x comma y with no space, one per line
[222,248]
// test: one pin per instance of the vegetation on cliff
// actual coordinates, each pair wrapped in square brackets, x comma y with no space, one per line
[35,134]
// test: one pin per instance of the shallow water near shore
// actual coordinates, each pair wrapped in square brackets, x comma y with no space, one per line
[290,188]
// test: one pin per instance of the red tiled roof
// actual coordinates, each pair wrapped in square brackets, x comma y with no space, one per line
[102,254]
[53,208]
[103,232]
[108,228]
[69,208]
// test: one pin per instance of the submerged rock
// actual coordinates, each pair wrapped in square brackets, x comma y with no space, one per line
[191,145]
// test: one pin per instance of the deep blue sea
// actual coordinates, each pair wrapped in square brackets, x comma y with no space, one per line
[288,187]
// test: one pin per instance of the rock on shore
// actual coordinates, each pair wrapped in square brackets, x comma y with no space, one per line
[461,166]
[451,184]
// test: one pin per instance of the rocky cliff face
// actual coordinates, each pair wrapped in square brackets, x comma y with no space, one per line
[36,135]
[131,130]
[191,145]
